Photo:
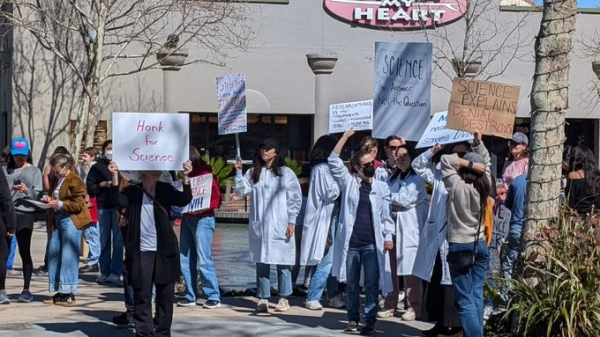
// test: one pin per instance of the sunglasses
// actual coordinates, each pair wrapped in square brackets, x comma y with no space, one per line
[393,147]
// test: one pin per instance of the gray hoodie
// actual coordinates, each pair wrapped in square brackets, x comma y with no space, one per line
[32,178]
[463,210]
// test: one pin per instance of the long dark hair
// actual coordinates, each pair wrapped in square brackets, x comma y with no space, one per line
[389,139]
[412,153]
[196,158]
[481,184]
[582,158]
[321,150]
[12,165]
[258,163]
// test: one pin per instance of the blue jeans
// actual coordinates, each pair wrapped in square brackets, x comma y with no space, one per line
[195,248]
[510,254]
[111,261]
[263,280]
[91,234]
[364,256]
[320,276]
[468,288]
[63,255]
[12,252]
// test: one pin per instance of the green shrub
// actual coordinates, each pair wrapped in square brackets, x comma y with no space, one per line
[294,166]
[564,299]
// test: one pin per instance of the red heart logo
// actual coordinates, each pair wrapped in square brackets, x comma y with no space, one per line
[20,145]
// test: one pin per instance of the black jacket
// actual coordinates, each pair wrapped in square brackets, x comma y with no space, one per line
[8,220]
[97,174]
[167,246]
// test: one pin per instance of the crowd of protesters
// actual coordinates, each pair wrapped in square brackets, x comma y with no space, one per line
[368,225]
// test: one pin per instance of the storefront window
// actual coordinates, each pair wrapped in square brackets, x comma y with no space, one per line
[293,132]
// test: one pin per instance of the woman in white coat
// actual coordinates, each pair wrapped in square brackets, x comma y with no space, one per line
[364,232]
[430,264]
[409,209]
[276,199]
[322,194]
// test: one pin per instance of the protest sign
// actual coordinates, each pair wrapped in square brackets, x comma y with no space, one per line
[402,92]
[488,107]
[150,141]
[231,100]
[201,192]
[356,115]
[436,132]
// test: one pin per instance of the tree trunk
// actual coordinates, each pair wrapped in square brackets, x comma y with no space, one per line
[81,125]
[549,102]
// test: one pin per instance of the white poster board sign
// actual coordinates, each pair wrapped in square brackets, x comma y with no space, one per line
[402,89]
[356,115]
[201,191]
[150,141]
[231,100]
[436,132]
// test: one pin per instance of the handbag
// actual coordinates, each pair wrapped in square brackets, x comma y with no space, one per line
[462,260]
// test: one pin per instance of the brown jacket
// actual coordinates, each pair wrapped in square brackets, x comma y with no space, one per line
[72,194]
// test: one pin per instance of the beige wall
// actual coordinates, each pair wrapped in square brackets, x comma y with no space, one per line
[276,66]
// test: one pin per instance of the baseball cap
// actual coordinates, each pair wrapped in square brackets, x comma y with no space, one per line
[271,143]
[474,157]
[520,137]
[19,146]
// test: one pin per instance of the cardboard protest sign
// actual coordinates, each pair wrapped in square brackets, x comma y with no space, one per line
[150,141]
[489,107]
[201,192]
[402,92]
[231,100]
[356,115]
[436,132]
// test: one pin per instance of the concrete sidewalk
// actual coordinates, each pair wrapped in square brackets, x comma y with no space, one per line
[96,304]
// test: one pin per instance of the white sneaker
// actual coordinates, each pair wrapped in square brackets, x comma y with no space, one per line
[313,305]
[262,306]
[487,312]
[409,315]
[337,302]
[386,313]
[283,305]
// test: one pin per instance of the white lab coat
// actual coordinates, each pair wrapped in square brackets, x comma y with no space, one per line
[433,234]
[380,211]
[322,193]
[275,203]
[411,195]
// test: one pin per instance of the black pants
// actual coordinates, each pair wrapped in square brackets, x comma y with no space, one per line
[127,288]
[142,297]
[4,247]
[24,233]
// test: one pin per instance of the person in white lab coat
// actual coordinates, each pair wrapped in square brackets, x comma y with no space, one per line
[276,199]
[322,193]
[430,264]
[392,143]
[409,209]
[364,232]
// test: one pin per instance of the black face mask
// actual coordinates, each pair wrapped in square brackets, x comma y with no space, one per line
[369,172]
[461,154]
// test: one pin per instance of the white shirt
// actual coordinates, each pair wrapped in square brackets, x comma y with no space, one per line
[147,226]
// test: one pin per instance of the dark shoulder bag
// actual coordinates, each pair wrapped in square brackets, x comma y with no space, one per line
[462,260]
